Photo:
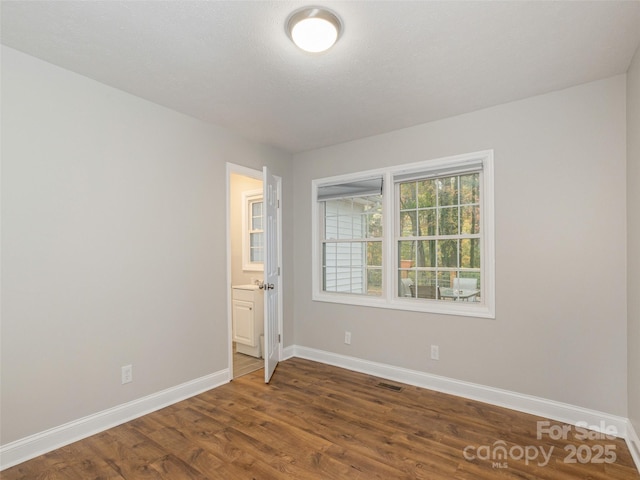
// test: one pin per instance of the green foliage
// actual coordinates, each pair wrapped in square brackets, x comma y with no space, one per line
[435,217]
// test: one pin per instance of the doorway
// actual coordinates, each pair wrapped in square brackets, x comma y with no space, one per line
[245,259]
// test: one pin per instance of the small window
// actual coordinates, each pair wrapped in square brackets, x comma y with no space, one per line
[252,231]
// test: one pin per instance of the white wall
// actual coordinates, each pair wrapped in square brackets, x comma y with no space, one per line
[113,245]
[633,239]
[560,327]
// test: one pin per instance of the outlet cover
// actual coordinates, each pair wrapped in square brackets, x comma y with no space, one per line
[127,374]
[435,352]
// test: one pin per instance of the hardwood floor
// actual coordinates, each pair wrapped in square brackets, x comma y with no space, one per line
[315,421]
[243,364]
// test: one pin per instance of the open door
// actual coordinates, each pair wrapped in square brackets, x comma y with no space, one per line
[271,275]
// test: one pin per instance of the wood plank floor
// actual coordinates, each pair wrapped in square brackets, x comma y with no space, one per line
[320,422]
[243,364]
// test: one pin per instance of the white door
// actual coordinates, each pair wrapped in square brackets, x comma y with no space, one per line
[271,275]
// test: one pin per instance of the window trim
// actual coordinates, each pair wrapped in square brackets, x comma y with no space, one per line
[249,197]
[389,299]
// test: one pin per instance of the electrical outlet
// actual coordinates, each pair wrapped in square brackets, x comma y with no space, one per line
[435,352]
[127,374]
[347,338]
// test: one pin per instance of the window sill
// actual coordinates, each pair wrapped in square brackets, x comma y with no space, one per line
[465,309]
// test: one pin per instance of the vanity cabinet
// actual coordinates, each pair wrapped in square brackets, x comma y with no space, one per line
[248,319]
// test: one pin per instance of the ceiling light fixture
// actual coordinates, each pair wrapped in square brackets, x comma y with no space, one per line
[314,29]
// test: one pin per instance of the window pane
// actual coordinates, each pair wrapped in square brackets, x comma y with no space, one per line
[427,193]
[372,204]
[256,216]
[357,218]
[444,207]
[475,276]
[426,285]
[257,254]
[468,280]
[464,288]
[447,253]
[359,225]
[374,281]
[255,239]
[358,255]
[448,223]
[374,225]
[406,283]
[374,254]
[343,254]
[344,266]
[329,254]
[329,279]
[445,279]
[426,253]
[330,207]
[470,253]
[408,227]
[427,222]
[448,191]
[347,266]
[331,227]
[470,188]
[345,206]
[343,280]
[407,254]
[372,217]
[470,221]
[407,196]
[345,226]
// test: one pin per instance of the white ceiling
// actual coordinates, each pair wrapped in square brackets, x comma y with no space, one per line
[397,64]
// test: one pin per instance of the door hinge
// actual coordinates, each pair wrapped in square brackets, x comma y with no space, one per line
[278,338]
[278,203]
[278,271]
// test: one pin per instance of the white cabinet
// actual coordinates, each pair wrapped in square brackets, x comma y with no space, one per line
[248,319]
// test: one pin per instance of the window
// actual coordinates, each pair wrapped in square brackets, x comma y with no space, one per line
[413,237]
[439,235]
[252,231]
[352,245]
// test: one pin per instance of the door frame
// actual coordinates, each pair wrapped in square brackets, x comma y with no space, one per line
[258,175]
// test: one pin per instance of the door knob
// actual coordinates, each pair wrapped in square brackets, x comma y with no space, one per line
[269,286]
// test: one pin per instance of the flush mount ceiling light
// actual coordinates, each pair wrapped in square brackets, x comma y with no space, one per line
[314,29]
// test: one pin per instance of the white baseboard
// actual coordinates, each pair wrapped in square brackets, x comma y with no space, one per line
[633,442]
[542,407]
[29,447]
[288,352]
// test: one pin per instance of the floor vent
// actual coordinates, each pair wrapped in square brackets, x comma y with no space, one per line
[388,386]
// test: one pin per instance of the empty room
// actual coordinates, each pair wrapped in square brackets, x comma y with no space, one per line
[334,240]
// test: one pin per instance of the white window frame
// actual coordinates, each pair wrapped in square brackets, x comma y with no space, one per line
[389,299]
[248,198]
